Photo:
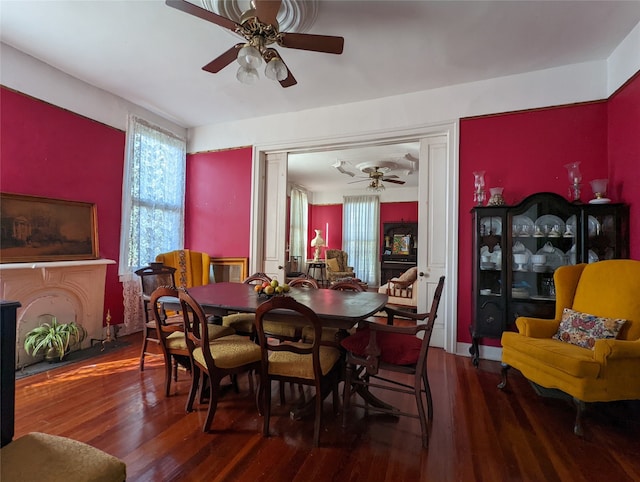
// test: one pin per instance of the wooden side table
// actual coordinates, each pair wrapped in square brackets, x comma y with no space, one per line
[315,266]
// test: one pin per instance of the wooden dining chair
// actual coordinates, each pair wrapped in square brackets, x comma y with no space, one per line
[172,338]
[242,323]
[152,277]
[304,281]
[395,350]
[296,362]
[329,334]
[218,358]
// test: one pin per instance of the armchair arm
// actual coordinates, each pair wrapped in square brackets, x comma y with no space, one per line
[537,327]
[612,348]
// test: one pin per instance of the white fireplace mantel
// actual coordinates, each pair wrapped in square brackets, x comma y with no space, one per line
[68,290]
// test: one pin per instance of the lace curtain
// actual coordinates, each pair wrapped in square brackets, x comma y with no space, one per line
[298,226]
[152,206]
[360,236]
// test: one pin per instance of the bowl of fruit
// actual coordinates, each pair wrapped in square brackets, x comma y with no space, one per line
[274,288]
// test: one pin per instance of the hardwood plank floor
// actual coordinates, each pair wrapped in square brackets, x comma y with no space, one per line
[479,433]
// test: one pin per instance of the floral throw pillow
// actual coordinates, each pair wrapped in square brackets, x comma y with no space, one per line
[583,329]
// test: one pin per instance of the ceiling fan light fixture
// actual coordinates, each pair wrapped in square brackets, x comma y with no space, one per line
[276,70]
[375,186]
[247,76]
[249,57]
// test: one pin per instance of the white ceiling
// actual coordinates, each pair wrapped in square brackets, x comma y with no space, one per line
[152,55]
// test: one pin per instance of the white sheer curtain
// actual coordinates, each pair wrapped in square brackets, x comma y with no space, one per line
[152,206]
[360,236]
[298,226]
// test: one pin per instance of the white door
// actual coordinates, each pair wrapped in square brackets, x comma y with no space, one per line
[274,213]
[432,228]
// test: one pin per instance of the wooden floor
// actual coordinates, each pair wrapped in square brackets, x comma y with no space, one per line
[479,433]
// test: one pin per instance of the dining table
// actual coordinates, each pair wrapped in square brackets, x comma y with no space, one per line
[336,309]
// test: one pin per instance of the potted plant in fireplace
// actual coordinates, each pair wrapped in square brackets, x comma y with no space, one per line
[53,339]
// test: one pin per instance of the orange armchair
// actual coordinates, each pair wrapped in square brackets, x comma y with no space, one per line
[193,268]
[611,370]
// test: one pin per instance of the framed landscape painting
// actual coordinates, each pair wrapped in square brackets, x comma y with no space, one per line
[43,229]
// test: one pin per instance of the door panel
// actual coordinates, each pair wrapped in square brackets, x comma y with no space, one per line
[274,209]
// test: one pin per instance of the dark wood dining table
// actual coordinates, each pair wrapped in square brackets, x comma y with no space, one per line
[336,309]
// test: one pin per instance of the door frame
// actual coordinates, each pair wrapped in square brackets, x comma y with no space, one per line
[449,129]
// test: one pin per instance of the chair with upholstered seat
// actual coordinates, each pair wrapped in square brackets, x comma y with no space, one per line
[329,334]
[392,349]
[193,268]
[296,362]
[219,358]
[336,263]
[152,277]
[172,338]
[400,290]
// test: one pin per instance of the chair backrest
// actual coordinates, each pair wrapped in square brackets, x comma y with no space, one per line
[154,276]
[162,328]
[257,278]
[607,288]
[197,332]
[304,281]
[302,311]
[193,267]
[347,286]
[340,256]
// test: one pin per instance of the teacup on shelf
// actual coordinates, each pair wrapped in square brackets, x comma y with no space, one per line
[538,232]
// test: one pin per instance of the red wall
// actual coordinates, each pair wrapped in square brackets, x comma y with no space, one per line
[218,203]
[48,151]
[624,154]
[525,152]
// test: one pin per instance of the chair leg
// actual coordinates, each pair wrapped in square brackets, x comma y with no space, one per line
[417,382]
[318,421]
[282,397]
[214,383]
[427,390]
[265,386]
[580,407]
[503,383]
[175,369]
[346,393]
[167,375]
[145,332]
[195,381]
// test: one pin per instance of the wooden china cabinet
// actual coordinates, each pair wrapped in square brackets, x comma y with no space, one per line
[399,250]
[516,250]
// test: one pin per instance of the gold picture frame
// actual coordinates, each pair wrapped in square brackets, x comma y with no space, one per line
[36,228]
[234,270]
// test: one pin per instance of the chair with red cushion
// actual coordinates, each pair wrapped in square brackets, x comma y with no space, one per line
[394,350]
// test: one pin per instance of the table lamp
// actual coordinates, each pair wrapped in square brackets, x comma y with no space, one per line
[317,243]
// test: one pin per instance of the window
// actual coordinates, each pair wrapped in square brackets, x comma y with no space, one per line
[152,206]
[153,195]
[298,227]
[361,226]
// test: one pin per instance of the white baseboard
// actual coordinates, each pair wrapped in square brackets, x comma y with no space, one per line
[486,352]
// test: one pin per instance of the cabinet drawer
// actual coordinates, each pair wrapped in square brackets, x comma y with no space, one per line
[489,320]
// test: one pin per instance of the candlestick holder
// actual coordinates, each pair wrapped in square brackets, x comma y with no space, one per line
[478,184]
[575,177]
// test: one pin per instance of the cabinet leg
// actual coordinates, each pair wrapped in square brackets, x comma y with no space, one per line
[474,351]
[577,427]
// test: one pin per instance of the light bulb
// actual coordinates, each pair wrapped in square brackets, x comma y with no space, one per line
[249,57]
[247,76]
[276,70]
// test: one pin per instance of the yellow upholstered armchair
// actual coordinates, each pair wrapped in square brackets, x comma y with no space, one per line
[336,262]
[604,368]
[192,267]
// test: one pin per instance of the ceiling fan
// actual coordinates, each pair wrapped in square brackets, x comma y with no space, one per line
[377,177]
[260,29]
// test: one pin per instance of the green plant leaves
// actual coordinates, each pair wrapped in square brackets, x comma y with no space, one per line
[59,336]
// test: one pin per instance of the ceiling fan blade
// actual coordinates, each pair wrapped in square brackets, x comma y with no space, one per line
[394,181]
[392,176]
[267,10]
[219,63]
[359,180]
[202,13]
[315,43]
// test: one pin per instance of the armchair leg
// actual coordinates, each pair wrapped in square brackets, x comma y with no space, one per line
[577,427]
[503,383]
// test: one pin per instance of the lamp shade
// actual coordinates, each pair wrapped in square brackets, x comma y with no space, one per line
[276,70]
[249,57]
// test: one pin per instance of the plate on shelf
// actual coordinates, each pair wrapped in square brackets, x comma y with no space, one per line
[550,225]
[523,226]
[593,257]
[594,225]
[492,225]
[555,256]
[543,298]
